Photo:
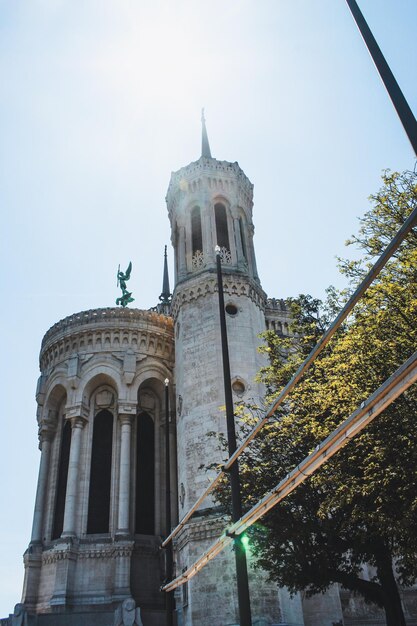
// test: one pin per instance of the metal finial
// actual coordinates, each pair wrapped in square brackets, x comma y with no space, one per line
[205,146]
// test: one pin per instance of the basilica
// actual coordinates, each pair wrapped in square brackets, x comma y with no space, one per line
[95,556]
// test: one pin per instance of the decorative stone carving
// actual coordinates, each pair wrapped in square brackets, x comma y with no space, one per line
[104,399]
[127,408]
[127,614]
[233,285]
[77,410]
[225,256]
[107,330]
[198,260]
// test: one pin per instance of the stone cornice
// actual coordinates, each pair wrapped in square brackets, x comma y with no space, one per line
[86,551]
[206,283]
[113,330]
[215,173]
[114,317]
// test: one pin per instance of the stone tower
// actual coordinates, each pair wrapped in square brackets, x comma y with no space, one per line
[210,203]
[99,510]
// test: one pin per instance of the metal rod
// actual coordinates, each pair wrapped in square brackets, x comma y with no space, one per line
[397,97]
[240,553]
[400,381]
[410,222]
[169,600]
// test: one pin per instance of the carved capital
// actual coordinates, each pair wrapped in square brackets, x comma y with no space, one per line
[46,431]
[77,410]
[127,409]
[77,421]
[126,418]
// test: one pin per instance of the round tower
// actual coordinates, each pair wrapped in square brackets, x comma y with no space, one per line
[210,203]
[99,510]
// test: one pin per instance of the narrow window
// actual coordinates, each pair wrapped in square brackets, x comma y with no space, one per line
[221,226]
[61,485]
[196,233]
[242,238]
[100,476]
[145,476]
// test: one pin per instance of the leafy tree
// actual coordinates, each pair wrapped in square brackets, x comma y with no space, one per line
[361,507]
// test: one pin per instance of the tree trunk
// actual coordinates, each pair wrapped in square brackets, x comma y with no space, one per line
[394,613]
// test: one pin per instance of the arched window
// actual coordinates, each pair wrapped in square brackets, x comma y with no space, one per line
[242,238]
[61,484]
[145,476]
[222,232]
[196,233]
[100,475]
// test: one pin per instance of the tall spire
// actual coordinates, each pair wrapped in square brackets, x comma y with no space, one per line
[205,146]
[165,296]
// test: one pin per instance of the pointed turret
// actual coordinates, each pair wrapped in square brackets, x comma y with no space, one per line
[165,296]
[205,146]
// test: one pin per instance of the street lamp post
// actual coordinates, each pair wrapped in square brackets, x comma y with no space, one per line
[169,600]
[239,548]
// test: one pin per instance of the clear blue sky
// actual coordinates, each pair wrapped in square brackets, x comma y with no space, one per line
[100,101]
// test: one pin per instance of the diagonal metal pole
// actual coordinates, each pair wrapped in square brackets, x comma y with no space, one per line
[400,103]
[240,553]
[398,383]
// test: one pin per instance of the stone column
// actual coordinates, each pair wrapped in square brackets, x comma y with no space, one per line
[77,425]
[239,249]
[182,267]
[124,475]
[251,251]
[45,437]
[208,245]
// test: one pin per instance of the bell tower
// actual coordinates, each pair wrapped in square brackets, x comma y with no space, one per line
[210,203]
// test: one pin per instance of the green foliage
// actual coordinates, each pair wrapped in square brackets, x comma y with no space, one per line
[361,507]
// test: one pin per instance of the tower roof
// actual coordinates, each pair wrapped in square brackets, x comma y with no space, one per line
[205,146]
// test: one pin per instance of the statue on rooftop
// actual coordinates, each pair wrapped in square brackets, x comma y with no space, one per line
[122,278]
